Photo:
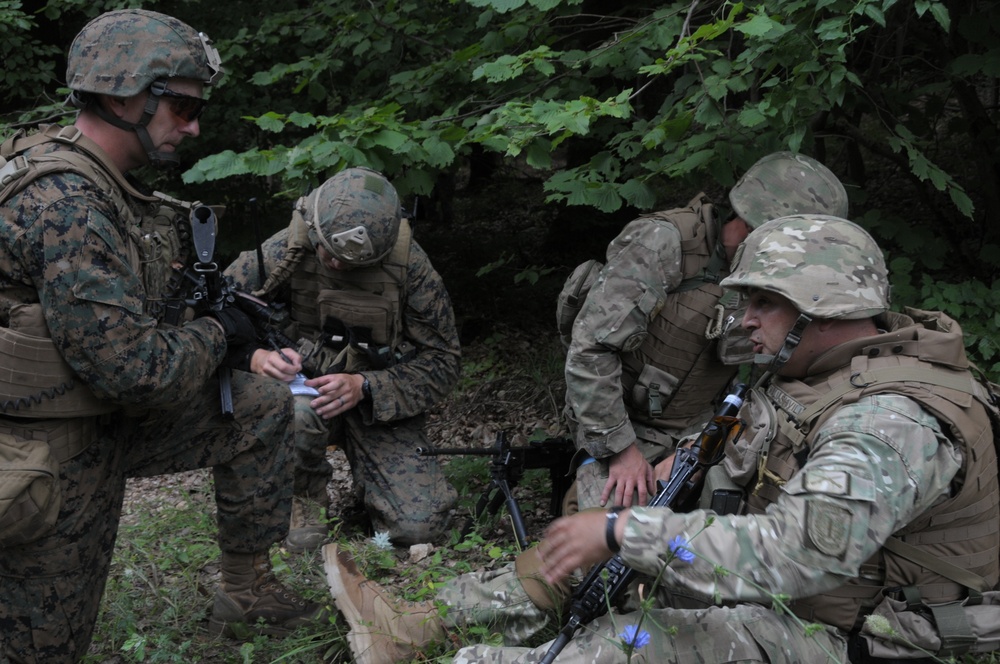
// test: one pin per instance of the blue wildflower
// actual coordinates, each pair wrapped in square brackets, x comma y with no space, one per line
[634,637]
[678,546]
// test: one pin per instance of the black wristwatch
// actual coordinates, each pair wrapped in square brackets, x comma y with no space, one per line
[609,529]
[366,388]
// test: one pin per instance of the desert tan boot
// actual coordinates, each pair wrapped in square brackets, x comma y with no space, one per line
[384,629]
[308,529]
[249,595]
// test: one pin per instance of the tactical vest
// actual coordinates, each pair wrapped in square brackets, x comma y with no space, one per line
[37,382]
[371,297]
[958,537]
[670,378]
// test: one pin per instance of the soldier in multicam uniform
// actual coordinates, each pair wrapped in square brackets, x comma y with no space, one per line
[869,471]
[137,397]
[355,280]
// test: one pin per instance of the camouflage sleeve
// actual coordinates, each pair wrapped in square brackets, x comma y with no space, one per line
[411,387]
[872,468]
[643,265]
[244,271]
[76,253]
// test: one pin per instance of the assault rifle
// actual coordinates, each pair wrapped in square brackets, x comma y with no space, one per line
[507,468]
[208,290]
[606,582]
[213,291]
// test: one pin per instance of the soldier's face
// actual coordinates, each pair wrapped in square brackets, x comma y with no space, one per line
[769,317]
[174,119]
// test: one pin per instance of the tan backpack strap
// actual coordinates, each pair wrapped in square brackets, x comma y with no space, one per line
[953,572]
[798,428]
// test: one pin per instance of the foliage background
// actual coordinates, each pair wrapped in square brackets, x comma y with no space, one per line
[604,111]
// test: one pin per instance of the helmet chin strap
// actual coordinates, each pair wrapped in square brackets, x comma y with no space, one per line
[772,363]
[156,158]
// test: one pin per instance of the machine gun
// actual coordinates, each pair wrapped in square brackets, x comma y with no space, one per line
[507,467]
[606,582]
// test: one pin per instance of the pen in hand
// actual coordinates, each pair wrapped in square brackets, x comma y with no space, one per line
[276,347]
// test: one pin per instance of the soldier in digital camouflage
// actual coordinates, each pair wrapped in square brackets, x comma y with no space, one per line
[379,344]
[869,479]
[109,390]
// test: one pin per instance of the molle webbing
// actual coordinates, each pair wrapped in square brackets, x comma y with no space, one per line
[386,280]
[676,341]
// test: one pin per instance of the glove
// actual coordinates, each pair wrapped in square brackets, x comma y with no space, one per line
[237,325]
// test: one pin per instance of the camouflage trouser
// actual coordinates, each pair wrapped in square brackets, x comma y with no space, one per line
[746,633]
[404,494]
[50,589]
[494,599]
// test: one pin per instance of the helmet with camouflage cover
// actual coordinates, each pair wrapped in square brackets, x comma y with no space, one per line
[126,52]
[355,216]
[826,266]
[785,183]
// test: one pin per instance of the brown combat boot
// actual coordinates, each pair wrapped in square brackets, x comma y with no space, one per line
[383,629]
[308,529]
[250,595]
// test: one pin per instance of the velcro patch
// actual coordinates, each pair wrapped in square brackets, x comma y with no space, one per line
[828,528]
[830,482]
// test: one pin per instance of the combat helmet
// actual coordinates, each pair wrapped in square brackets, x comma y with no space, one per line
[123,53]
[826,266]
[355,216]
[785,183]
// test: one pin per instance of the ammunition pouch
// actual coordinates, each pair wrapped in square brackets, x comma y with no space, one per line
[30,454]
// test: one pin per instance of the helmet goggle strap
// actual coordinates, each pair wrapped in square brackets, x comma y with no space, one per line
[776,361]
[149,110]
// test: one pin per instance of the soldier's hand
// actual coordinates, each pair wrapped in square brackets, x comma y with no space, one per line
[283,364]
[574,542]
[338,393]
[628,474]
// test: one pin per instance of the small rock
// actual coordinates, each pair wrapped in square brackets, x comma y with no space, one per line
[420,551]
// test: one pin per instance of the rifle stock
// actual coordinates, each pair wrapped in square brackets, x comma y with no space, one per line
[605,582]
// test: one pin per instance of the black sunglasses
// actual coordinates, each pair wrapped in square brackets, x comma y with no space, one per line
[185,107]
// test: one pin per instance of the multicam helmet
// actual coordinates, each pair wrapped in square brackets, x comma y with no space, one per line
[827,266]
[354,215]
[785,183]
[121,53]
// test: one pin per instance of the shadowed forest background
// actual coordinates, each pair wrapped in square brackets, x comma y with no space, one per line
[522,135]
[527,132]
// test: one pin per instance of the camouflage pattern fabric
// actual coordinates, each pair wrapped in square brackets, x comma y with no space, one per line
[148,46]
[355,215]
[821,530]
[404,493]
[63,243]
[50,590]
[494,598]
[785,183]
[790,256]
[746,633]
[627,295]
[824,526]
